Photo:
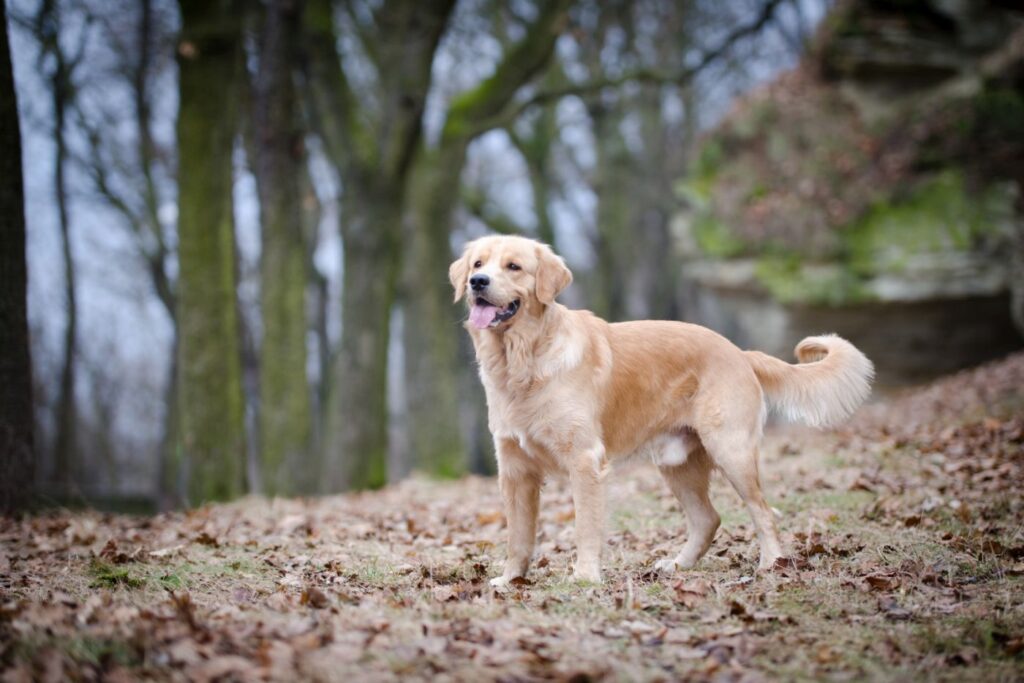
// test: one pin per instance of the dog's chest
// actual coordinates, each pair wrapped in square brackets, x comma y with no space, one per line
[543,419]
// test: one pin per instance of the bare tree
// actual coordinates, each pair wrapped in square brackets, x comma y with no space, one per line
[59,66]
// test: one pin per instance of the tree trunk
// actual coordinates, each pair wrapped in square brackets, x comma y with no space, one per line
[170,487]
[1017,262]
[60,93]
[17,457]
[432,363]
[355,438]
[67,419]
[212,404]
[285,417]
[613,216]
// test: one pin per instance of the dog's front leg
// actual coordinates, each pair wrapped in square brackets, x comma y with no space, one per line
[520,482]
[586,477]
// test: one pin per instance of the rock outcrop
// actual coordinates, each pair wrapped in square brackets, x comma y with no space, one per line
[880,183]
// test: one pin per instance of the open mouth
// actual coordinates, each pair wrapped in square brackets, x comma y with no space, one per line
[484,314]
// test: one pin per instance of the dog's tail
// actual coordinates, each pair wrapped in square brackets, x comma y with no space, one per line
[832,379]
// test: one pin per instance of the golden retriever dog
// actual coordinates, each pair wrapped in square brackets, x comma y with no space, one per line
[570,393]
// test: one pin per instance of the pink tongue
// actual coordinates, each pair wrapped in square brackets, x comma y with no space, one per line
[482,315]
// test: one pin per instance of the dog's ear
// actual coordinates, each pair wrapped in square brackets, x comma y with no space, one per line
[552,274]
[458,272]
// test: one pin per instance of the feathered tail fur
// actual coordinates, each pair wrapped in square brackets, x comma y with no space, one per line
[832,379]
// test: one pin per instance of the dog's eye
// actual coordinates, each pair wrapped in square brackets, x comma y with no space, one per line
[514,266]
[478,264]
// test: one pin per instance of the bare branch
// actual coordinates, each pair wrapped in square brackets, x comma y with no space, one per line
[652,75]
[480,109]
[479,205]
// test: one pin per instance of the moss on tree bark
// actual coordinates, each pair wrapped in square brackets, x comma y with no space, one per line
[285,415]
[212,403]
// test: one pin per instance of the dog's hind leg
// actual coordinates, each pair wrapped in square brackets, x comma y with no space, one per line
[739,464]
[520,484]
[689,484]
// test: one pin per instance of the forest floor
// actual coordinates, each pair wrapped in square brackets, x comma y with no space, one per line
[906,532]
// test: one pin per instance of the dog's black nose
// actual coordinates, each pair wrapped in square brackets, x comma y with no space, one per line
[479,281]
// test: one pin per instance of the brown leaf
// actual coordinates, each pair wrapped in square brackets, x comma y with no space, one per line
[112,554]
[691,593]
[204,538]
[882,582]
[183,605]
[315,598]
[789,565]
[492,517]
[738,609]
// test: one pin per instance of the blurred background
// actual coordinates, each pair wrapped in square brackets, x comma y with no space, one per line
[240,215]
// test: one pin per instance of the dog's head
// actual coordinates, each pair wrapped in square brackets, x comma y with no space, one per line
[502,276]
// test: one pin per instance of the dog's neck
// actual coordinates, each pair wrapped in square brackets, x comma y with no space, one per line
[509,355]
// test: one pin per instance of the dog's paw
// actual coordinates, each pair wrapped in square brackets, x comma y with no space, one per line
[502,581]
[668,566]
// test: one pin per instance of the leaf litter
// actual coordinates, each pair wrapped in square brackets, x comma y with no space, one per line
[906,562]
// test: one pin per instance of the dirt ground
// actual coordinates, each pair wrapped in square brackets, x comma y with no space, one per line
[906,533]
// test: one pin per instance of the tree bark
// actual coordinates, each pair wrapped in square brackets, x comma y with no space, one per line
[17,454]
[432,362]
[212,403]
[355,439]
[285,415]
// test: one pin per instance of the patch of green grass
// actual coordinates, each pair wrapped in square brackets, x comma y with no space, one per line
[172,581]
[952,635]
[840,501]
[376,573]
[107,575]
[200,568]
[84,649]
[102,650]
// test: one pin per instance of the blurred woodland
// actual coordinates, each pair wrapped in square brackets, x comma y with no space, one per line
[239,215]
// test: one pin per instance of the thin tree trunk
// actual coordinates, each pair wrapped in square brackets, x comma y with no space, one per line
[67,420]
[17,456]
[170,487]
[356,443]
[285,417]
[318,302]
[211,399]
[431,331]
[613,216]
